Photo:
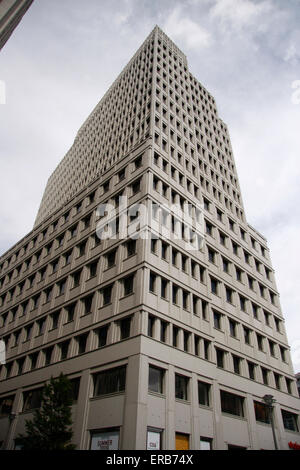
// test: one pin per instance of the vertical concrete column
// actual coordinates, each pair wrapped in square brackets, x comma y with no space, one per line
[195,415]
[144,323]
[180,339]
[17,406]
[251,422]
[217,413]
[81,435]
[135,408]
[280,432]
[170,409]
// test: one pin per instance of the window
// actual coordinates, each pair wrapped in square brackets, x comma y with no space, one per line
[106,440]
[205,443]
[214,286]
[87,304]
[232,327]
[290,420]
[110,381]
[131,247]
[41,326]
[182,441]
[125,324]
[92,267]
[211,255]
[111,258]
[70,312]
[251,370]
[102,336]
[164,287]
[54,320]
[229,294]
[154,439]
[203,393]
[220,358]
[261,412]
[32,399]
[246,335]
[106,294]
[153,245]
[260,343]
[136,186]
[62,287]
[236,364]
[163,331]
[151,322]
[48,355]
[6,404]
[64,348]
[152,282]
[82,342]
[225,265]
[156,376]
[76,278]
[217,320]
[175,290]
[164,250]
[265,376]
[33,360]
[128,284]
[81,248]
[181,387]
[232,404]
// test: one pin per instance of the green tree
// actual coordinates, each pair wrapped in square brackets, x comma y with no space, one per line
[50,428]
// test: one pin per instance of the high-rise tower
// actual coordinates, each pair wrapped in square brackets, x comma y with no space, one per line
[169,344]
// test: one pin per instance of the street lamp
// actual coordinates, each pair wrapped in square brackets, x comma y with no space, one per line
[269,401]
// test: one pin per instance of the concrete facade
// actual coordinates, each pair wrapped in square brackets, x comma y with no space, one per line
[168,347]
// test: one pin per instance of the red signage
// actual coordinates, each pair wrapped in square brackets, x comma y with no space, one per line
[294,446]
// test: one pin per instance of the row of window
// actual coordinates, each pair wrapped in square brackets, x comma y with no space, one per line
[114,381]
[190,302]
[72,281]
[118,330]
[185,340]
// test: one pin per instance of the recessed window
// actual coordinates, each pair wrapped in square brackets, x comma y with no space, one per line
[181,387]
[251,370]
[290,421]
[111,258]
[217,320]
[106,294]
[87,304]
[128,284]
[220,354]
[82,343]
[236,364]
[232,404]
[204,393]
[156,376]
[131,247]
[125,325]
[102,336]
[110,381]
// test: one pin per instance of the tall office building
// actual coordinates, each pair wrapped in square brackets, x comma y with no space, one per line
[11,13]
[170,343]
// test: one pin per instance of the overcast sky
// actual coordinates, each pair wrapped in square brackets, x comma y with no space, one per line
[65,54]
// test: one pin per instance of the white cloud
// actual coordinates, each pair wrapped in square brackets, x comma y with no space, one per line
[183,28]
[239,13]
